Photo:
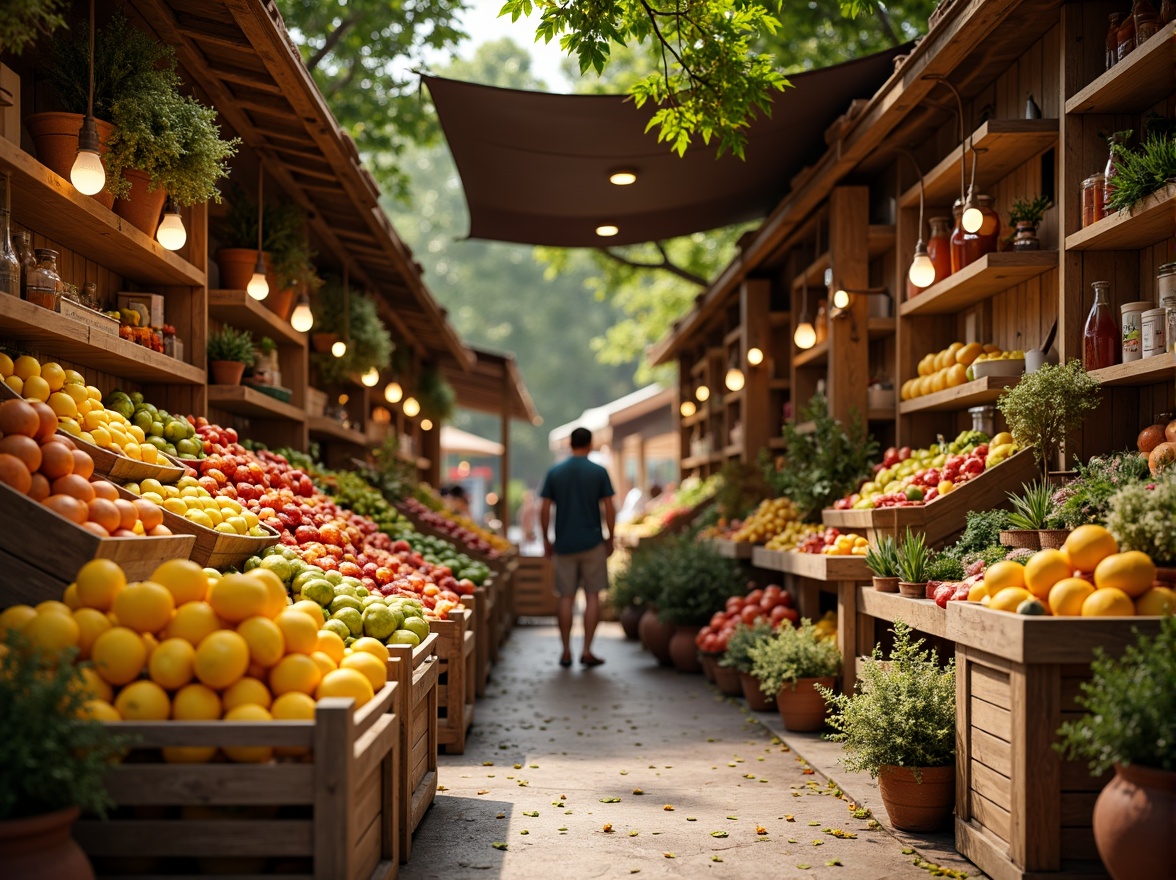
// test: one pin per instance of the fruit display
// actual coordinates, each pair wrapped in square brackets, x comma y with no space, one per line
[766,521]
[773,604]
[952,367]
[191,645]
[46,466]
[187,498]
[171,434]
[792,535]
[830,542]
[461,529]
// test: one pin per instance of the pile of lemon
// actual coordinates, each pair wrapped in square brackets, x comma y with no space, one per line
[947,368]
[792,534]
[767,521]
[78,406]
[191,645]
[187,498]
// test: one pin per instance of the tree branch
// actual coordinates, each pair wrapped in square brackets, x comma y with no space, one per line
[652,14]
[342,82]
[666,265]
[887,25]
[332,41]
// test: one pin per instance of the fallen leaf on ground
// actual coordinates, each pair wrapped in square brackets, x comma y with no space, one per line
[498,844]
[524,831]
[715,859]
[638,791]
[534,814]
[483,791]
[760,829]
[491,764]
[834,863]
[789,818]
[668,808]
[607,829]
[610,800]
[669,855]
[634,833]
[719,834]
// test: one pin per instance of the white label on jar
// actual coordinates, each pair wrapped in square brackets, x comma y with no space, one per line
[1132,336]
[1153,333]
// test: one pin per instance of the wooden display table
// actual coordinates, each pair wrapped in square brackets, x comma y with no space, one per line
[415,672]
[732,549]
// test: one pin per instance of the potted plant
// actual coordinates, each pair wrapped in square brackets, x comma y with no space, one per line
[914,557]
[642,579]
[54,757]
[738,657]
[38,18]
[369,345]
[882,561]
[790,666]
[1048,404]
[1139,515]
[1024,218]
[1140,171]
[283,247]
[899,725]
[230,351]
[436,396]
[1130,725]
[695,583]
[1032,513]
[627,603]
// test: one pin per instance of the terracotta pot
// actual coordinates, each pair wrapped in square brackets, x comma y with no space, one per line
[1052,539]
[236,267]
[322,342]
[281,302]
[708,662]
[757,700]
[42,848]
[912,591]
[226,372]
[631,620]
[55,138]
[1135,823]
[886,585]
[921,807]
[143,206]
[655,636]
[683,651]
[801,705]
[727,680]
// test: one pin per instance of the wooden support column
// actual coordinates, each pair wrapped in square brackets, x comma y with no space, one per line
[503,501]
[849,349]
[755,305]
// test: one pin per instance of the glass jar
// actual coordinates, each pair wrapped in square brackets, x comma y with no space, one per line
[44,287]
[1147,20]
[1166,284]
[1125,40]
[28,261]
[821,321]
[1100,339]
[939,246]
[983,419]
[1093,199]
[1113,39]
[9,263]
[1154,329]
[1132,327]
[985,240]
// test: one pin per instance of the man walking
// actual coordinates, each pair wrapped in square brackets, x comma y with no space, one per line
[580,490]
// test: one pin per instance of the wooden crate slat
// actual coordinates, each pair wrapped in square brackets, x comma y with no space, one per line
[989,684]
[224,838]
[372,747]
[991,816]
[991,751]
[995,720]
[921,614]
[990,783]
[230,784]
[367,848]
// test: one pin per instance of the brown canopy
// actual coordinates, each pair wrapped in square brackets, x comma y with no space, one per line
[536,166]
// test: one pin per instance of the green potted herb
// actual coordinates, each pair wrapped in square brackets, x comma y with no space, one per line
[914,557]
[284,251]
[882,561]
[1142,171]
[899,725]
[1047,405]
[54,756]
[1029,521]
[696,582]
[1086,497]
[1024,218]
[230,351]
[1140,516]
[1130,726]
[435,395]
[636,586]
[791,665]
[738,657]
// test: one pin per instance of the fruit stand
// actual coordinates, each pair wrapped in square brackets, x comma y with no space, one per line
[414,670]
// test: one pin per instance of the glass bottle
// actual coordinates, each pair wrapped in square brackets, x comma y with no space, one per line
[1113,39]
[1112,170]
[9,264]
[1147,20]
[939,247]
[1100,343]
[985,240]
[44,286]
[23,243]
[821,321]
[1125,43]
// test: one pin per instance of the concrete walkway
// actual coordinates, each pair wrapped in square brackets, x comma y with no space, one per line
[631,769]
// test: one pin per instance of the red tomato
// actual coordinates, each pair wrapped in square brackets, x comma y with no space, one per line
[734,603]
[786,599]
[750,613]
[779,613]
[791,615]
[754,597]
[717,619]
[767,603]
[721,644]
[773,590]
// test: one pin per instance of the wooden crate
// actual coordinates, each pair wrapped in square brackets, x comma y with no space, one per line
[493,621]
[480,605]
[415,672]
[505,603]
[330,817]
[534,592]
[1023,813]
[732,549]
[455,681]
[943,518]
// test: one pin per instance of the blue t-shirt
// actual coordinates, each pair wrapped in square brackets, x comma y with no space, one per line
[576,487]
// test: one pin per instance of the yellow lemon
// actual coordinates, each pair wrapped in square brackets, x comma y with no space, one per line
[300,631]
[54,374]
[249,754]
[36,388]
[16,384]
[977,592]
[312,608]
[171,664]
[266,643]
[94,686]
[330,644]
[70,598]
[247,690]
[325,663]
[1044,569]
[143,701]
[145,607]
[1067,595]
[184,579]
[1004,574]
[5,366]
[63,405]
[277,598]
[373,668]
[192,622]
[1132,572]
[1108,602]
[372,646]
[91,624]
[346,683]
[1156,602]
[294,706]
[295,672]
[119,654]
[52,605]
[221,659]
[100,710]
[15,617]
[1009,598]
[238,596]
[196,702]
[25,367]
[99,581]
[1089,545]
[52,631]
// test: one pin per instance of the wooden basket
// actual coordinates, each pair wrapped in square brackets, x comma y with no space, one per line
[455,683]
[1021,539]
[44,540]
[332,817]
[415,672]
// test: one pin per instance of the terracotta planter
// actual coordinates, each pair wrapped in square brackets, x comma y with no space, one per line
[757,700]
[1135,823]
[631,620]
[912,591]
[727,680]
[886,585]
[144,205]
[226,372]
[236,267]
[55,138]
[1052,539]
[709,662]
[683,651]
[42,848]
[915,806]
[655,636]
[281,302]
[801,705]
[322,342]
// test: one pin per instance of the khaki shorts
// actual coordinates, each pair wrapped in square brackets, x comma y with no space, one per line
[588,569]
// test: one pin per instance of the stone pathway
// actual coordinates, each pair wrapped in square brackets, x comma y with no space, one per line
[631,769]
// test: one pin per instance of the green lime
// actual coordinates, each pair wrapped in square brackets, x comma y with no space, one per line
[378,621]
[188,447]
[305,577]
[352,618]
[341,602]
[404,637]
[317,590]
[334,577]
[279,566]
[338,627]
[416,625]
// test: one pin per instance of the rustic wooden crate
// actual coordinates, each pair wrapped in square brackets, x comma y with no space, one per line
[455,682]
[415,672]
[332,816]
[534,593]
[505,603]
[732,549]
[1022,812]
[493,623]
[481,605]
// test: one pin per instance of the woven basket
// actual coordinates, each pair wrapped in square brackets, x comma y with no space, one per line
[1053,538]
[1021,539]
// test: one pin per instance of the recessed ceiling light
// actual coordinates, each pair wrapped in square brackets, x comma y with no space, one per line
[622,178]
[606,230]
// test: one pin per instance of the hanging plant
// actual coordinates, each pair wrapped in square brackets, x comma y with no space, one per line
[436,396]
[369,344]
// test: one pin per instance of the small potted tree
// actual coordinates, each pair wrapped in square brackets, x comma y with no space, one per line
[1048,404]
[230,351]
[1130,725]
[914,557]
[882,561]
[1024,218]
[746,637]
[899,726]
[791,665]
[696,584]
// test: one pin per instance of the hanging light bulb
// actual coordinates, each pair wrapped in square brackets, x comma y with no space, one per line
[734,379]
[171,232]
[702,393]
[755,356]
[393,393]
[410,407]
[371,378]
[973,219]
[426,425]
[258,286]
[687,409]
[87,173]
[338,348]
[922,271]
[805,336]
[303,318]
[840,298]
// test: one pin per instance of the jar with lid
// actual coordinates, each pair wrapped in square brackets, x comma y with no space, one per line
[986,239]
[28,261]
[1100,339]
[821,321]
[1125,39]
[1132,328]
[959,258]
[1093,199]
[1154,331]
[9,263]
[1114,142]
[983,419]
[44,287]
[1166,293]
[1147,20]
[1113,39]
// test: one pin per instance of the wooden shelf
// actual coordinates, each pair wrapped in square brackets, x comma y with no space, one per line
[50,205]
[779,319]
[921,614]
[733,336]
[245,401]
[731,549]
[818,566]
[779,384]
[818,355]
[694,461]
[976,393]
[238,308]
[880,328]
[731,450]
[988,276]
[58,337]
[321,426]
[1145,371]
[1150,220]
[1137,82]
[1009,144]
[700,415]
[880,415]
[733,397]
[879,239]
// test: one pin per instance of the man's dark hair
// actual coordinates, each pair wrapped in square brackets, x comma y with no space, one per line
[581,438]
[458,492]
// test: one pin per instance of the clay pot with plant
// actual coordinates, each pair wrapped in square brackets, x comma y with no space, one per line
[882,561]
[899,725]
[1130,703]
[45,732]
[369,344]
[1024,218]
[230,351]
[696,581]
[1033,512]
[914,559]
[738,657]
[791,665]
[284,253]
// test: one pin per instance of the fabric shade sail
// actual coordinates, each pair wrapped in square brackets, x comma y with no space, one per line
[535,166]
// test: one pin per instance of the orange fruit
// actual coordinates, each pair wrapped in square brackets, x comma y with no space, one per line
[20,417]
[184,579]
[237,596]
[23,447]
[313,609]
[330,644]
[143,701]
[25,366]
[196,702]
[52,631]
[104,513]
[346,683]
[119,655]
[1044,569]
[94,686]
[52,605]
[299,630]
[170,665]
[48,426]
[188,754]
[277,598]
[247,690]
[294,672]
[1132,572]
[1156,602]
[372,646]
[91,624]
[374,669]
[99,710]
[39,488]
[15,617]
[249,754]
[70,598]
[83,466]
[99,582]
[72,484]
[15,474]
[1003,574]
[54,374]
[1067,595]
[130,515]
[325,663]
[221,659]
[105,490]
[192,622]
[294,706]
[1009,598]
[68,507]
[1089,545]
[266,643]
[1108,602]
[145,607]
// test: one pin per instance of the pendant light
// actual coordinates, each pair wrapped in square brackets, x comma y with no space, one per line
[339,346]
[734,378]
[687,409]
[171,232]
[303,318]
[411,407]
[87,173]
[371,378]
[922,270]
[702,393]
[805,335]
[426,424]
[258,287]
[393,393]
[972,219]
[755,356]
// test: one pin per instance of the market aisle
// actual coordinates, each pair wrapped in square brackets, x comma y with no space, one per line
[549,745]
